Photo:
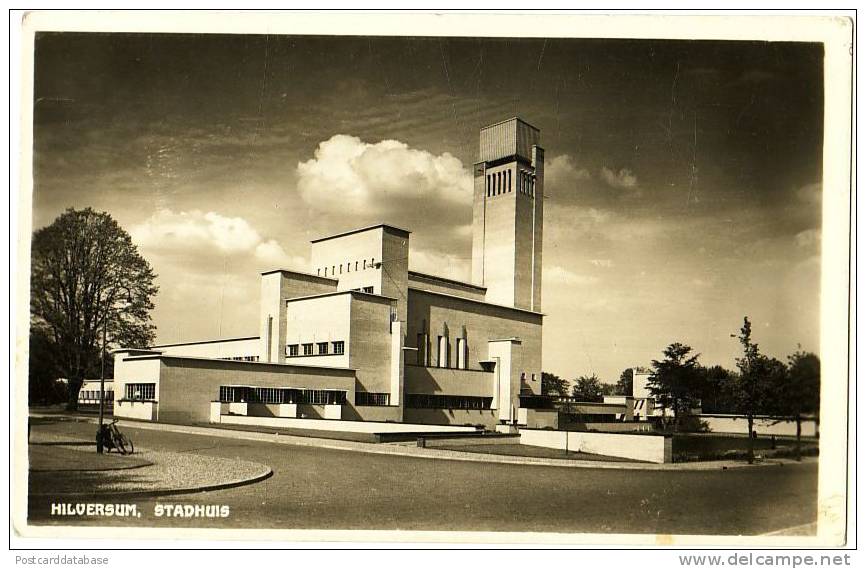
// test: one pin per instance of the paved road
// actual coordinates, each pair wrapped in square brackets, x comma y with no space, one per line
[314,488]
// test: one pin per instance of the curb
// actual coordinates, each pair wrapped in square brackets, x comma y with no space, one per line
[441,454]
[166,492]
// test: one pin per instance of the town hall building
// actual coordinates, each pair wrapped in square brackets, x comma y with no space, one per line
[360,337]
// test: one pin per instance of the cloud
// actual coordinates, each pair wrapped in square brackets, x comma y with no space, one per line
[624,179]
[208,232]
[559,275]
[605,263]
[444,265]
[810,193]
[561,170]
[348,174]
[808,239]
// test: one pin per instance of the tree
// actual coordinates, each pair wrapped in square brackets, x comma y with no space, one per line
[553,384]
[587,388]
[87,279]
[717,391]
[675,382]
[753,388]
[625,384]
[800,391]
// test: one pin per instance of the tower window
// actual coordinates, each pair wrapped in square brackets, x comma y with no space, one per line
[322,348]
[318,272]
[356,265]
[326,271]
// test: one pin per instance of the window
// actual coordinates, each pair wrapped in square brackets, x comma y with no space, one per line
[356,265]
[322,348]
[319,272]
[367,289]
[422,349]
[141,391]
[372,399]
[365,264]
[308,349]
[292,350]
[339,347]
[461,353]
[442,352]
[426,401]
[333,270]
[326,271]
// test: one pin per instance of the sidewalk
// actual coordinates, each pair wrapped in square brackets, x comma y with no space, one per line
[430,453]
[63,467]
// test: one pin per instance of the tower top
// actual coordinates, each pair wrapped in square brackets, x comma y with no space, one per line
[511,138]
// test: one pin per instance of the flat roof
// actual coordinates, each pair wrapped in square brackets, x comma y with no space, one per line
[206,342]
[235,362]
[362,229]
[447,280]
[509,120]
[475,301]
[366,295]
[302,273]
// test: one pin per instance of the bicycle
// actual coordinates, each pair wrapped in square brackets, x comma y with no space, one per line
[113,438]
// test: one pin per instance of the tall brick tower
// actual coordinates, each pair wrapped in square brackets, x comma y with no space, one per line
[508,213]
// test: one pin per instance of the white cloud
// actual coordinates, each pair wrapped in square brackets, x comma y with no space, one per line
[605,263]
[348,174]
[808,238]
[559,275]
[561,170]
[443,265]
[624,179]
[197,231]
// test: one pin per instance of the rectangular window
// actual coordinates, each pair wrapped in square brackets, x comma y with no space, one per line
[372,399]
[367,289]
[339,347]
[356,265]
[141,391]
[322,348]
[461,353]
[422,349]
[308,349]
[442,352]
[292,350]
[428,401]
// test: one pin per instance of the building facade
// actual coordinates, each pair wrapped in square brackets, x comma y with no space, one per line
[360,337]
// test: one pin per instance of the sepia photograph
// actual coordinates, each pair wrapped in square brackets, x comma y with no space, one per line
[546,277]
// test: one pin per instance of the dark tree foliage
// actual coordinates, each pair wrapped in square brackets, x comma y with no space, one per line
[717,391]
[799,394]
[625,384]
[676,381]
[87,276]
[756,384]
[552,384]
[588,388]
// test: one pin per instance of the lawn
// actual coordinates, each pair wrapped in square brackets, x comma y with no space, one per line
[691,447]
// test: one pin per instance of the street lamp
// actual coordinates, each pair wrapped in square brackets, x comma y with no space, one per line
[100,439]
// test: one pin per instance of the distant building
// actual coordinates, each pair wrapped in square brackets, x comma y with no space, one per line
[88,395]
[361,337]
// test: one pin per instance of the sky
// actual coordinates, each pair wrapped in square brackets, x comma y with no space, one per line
[682,190]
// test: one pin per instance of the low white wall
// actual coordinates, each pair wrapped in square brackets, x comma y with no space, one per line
[648,448]
[346,426]
[333,411]
[143,410]
[621,427]
[738,424]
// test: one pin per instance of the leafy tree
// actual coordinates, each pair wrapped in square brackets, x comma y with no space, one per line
[87,279]
[800,392]
[717,391]
[552,384]
[44,389]
[754,386]
[608,389]
[676,380]
[587,388]
[625,384]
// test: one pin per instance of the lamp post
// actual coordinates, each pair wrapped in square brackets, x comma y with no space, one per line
[99,438]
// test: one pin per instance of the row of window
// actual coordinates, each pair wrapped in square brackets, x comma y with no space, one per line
[274,395]
[316,349]
[500,183]
[443,352]
[362,265]
[424,401]
[93,395]
[140,391]
[372,399]
[242,358]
